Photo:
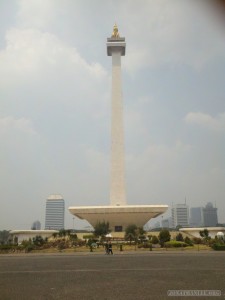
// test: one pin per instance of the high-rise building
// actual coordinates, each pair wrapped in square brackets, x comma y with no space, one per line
[180,215]
[55,211]
[36,225]
[209,214]
[196,217]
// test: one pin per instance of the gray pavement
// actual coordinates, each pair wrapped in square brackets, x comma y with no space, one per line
[124,275]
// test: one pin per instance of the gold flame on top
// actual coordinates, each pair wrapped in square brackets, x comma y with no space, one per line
[115,32]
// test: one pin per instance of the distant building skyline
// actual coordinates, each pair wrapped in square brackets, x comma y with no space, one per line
[36,225]
[199,216]
[196,217]
[209,215]
[166,223]
[180,215]
[55,212]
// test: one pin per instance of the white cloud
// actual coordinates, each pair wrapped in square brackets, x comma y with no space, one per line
[12,124]
[217,123]
[30,51]
[160,157]
[170,32]
[35,13]
[157,32]
[160,170]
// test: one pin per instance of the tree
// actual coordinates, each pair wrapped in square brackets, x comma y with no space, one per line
[164,236]
[68,232]
[154,240]
[188,241]
[73,236]
[130,237]
[62,233]
[179,237]
[38,241]
[101,228]
[131,229]
[140,234]
[141,231]
[131,233]
[55,234]
[205,235]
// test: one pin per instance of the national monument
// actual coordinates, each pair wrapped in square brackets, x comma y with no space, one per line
[118,213]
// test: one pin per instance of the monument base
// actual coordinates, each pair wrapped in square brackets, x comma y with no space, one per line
[119,217]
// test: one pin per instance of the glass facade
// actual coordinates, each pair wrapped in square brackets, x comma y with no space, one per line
[54,214]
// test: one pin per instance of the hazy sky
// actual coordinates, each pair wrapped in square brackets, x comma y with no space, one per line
[55,104]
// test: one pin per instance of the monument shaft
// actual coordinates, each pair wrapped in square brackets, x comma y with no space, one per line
[115,48]
[117,190]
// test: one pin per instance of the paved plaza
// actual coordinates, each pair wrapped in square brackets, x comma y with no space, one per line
[124,275]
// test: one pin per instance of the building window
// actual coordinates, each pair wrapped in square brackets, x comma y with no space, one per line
[118,228]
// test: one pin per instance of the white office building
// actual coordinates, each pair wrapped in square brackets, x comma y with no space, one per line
[180,215]
[54,213]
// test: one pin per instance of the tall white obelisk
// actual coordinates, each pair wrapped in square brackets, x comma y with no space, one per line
[118,214]
[116,48]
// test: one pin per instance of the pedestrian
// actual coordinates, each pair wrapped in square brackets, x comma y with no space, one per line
[110,248]
[106,248]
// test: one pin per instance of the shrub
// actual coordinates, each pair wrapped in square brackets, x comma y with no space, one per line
[7,248]
[179,237]
[188,241]
[91,241]
[175,244]
[73,236]
[154,240]
[38,241]
[88,236]
[80,243]
[62,245]
[218,247]
[144,245]
[204,233]
[197,240]
[164,236]
[29,248]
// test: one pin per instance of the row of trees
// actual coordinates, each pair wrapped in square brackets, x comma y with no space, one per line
[138,235]
[133,234]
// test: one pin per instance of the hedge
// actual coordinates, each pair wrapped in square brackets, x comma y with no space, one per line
[175,244]
[218,247]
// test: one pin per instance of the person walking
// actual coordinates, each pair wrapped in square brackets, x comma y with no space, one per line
[106,248]
[110,248]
